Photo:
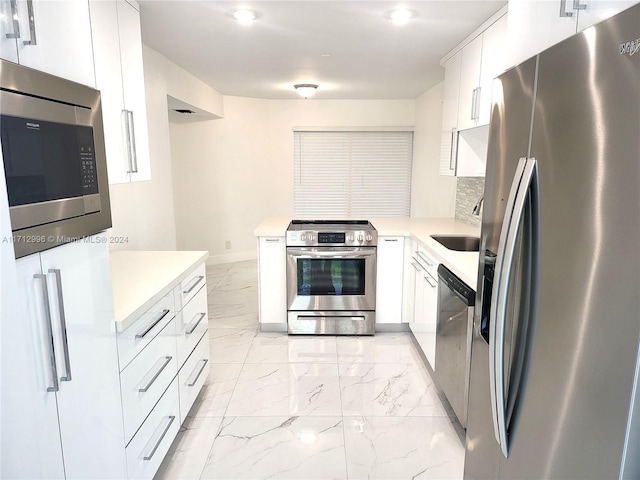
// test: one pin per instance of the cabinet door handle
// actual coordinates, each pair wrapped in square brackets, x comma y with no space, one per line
[52,350]
[194,324]
[563,9]
[63,324]
[153,324]
[155,376]
[272,240]
[454,148]
[132,142]
[198,280]
[416,266]
[579,6]
[164,432]
[473,104]
[126,137]
[32,25]
[428,279]
[14,17]
[477,105]
[204,364]
[390,239]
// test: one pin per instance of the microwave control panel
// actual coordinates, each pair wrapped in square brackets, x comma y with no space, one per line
[87,157]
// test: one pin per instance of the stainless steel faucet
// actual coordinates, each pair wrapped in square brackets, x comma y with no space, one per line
[478,206]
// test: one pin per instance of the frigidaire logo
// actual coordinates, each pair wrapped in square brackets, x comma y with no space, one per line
[33,126]
[630,48]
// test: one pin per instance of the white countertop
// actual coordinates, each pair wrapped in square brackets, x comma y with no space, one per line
[463,264]
[140,279]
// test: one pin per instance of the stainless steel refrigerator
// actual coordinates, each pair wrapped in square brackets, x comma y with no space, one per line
[554,373]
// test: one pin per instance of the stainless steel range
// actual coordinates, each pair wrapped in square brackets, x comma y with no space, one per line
[331,277]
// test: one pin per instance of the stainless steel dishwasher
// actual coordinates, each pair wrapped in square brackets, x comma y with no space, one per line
[456,301]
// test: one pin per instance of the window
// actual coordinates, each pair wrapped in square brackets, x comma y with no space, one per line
[352,173]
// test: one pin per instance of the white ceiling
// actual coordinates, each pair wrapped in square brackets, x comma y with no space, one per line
[370,56]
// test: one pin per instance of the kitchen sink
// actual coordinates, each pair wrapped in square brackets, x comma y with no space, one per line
[458,243]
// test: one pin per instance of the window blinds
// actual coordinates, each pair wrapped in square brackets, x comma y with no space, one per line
[352,173]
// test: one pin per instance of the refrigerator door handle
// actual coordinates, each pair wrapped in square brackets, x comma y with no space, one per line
[498,292]
[506,251]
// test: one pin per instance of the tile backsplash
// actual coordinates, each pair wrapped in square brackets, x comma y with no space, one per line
[468,191]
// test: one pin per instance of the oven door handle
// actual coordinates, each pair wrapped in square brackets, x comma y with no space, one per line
[355,253]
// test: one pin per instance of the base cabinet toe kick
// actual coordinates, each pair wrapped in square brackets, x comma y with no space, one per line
[164,362]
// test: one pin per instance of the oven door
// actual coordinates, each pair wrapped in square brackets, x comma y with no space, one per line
[331,278]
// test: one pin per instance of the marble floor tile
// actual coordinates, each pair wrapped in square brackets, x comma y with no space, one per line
[392,390]
[403,448]
[213,399]
[278,448]
[269,348]
[189,451]
[312,349]
[229,345]
[247,321]
[286,389]
[381,348]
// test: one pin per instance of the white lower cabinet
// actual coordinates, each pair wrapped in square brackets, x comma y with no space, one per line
[146,378]
[390,272]
[148,448]
[165,362]
[272,281]
[61,409]
[193,375]
[425,317]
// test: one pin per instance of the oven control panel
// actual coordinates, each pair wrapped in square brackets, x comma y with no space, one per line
[310,238]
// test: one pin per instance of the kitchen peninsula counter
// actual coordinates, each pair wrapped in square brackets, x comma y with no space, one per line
[463,264]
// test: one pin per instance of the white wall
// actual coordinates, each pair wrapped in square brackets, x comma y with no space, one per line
[232,173]
[432,195]
[143,212]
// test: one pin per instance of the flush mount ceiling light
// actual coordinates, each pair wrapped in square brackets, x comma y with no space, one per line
[306,90]
[400,16]
[244,15]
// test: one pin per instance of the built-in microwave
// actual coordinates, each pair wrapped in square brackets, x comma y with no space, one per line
[53,153]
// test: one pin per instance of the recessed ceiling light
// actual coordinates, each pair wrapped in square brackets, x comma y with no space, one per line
[306,90]
[400,16]
[244,16]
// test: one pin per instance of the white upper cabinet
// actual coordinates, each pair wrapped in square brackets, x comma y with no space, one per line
[117,46]
[450,100]
[535,25]
[469,84]
[469,75]
[54,37]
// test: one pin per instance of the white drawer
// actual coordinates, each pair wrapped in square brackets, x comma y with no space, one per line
[193,375]
[150,445]
[133,340]
[191,324]
[146,378]
[190,286]
[426,259]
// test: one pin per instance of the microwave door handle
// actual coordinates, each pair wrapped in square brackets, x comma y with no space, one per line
[14,18]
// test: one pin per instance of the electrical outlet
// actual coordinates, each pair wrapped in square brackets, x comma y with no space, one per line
[227,244]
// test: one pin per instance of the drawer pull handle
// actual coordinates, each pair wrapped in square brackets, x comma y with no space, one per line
[153,324]
[198,280]
[166,361]
[164,432]
[204,364]
[426,259]
[194,325]
[272,240]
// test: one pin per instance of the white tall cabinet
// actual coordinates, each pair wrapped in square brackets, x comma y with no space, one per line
[389,276]
[54,37]
[60,382]
[272,282]
[117,47]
